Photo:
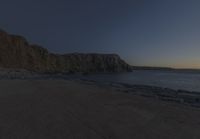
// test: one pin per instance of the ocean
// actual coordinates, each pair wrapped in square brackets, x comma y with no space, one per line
[177,80]
[173,79]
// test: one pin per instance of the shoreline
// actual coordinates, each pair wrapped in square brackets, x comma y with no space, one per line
[190,98]
[185,97]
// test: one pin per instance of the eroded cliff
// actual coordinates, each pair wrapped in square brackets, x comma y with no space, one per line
[17,53]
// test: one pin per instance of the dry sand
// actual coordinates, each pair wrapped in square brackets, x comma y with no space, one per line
[60,109]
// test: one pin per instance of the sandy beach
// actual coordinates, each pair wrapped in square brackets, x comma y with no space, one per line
[63,109]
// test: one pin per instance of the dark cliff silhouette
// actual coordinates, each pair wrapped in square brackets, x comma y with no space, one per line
[17,53]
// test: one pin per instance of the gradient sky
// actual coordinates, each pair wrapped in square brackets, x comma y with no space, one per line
[143,32]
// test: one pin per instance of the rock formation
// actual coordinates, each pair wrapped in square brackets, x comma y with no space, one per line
[17,53]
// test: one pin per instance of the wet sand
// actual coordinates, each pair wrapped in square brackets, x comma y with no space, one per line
[61,109]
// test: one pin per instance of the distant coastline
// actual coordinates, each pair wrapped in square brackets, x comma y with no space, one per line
[165,69]
[151,68]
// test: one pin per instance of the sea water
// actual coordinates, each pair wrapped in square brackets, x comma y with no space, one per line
[168,79]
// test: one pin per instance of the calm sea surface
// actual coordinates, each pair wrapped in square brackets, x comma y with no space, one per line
[171,79]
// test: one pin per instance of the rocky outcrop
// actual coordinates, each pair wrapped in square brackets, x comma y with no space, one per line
[17,53]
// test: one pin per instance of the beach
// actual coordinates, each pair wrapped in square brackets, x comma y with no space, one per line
[71,109]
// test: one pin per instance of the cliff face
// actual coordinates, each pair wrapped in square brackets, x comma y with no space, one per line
[16,52]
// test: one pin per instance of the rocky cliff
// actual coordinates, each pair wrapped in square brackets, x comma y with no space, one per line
[17,53]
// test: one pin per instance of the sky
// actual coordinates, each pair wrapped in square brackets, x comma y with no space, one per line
[143,32]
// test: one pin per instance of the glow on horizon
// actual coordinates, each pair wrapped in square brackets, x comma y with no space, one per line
[175,64]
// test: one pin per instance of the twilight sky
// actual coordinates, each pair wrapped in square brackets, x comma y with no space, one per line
[143,32]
